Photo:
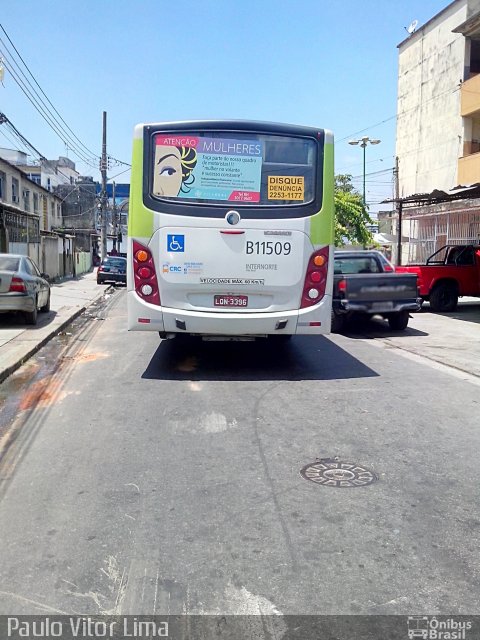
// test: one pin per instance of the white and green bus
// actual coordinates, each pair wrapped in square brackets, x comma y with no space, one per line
[230,229]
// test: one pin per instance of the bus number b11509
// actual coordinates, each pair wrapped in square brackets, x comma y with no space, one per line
[268,248]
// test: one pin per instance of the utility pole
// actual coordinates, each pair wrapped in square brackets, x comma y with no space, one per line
[103,195]
[398,204]
[114,218]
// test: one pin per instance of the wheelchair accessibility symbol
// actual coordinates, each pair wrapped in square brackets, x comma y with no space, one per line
[176,243]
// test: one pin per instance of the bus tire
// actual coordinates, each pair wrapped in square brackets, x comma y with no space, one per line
[444,297]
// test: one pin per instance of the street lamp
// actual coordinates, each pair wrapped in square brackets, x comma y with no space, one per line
[363,143]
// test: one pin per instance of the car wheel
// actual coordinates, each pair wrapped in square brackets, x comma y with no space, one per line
[444,297]
[31,316]
[399,321]
[100,281]
[46,306]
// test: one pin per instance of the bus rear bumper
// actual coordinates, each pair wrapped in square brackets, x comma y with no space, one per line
[145,317]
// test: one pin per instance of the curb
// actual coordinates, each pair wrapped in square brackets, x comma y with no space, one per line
[12,368]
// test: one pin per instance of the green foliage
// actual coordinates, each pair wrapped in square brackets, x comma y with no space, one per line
[351,217]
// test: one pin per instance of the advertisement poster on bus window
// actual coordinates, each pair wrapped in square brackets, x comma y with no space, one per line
[207,168]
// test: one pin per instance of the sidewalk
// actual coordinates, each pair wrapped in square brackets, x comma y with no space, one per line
[69,299]
[450,339]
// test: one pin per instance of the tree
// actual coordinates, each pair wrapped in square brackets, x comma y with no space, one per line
[351,217]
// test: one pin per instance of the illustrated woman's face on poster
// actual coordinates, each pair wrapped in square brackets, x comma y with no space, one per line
[167,178]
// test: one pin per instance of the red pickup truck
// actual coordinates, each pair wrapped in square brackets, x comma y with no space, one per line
[452,271]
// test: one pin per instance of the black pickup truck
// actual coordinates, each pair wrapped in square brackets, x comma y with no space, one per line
[365,283]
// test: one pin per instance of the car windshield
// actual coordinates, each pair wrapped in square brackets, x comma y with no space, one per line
[7,263]
[115,262]
[352,265]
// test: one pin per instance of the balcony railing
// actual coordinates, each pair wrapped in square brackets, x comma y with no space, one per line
[470,97]
[469,169]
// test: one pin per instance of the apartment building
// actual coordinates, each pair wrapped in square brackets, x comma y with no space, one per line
[28,212]
[438,131]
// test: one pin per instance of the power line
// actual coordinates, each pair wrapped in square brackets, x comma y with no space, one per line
[86,149]
[47,117]
[401,113]
[12,142]
[5,120]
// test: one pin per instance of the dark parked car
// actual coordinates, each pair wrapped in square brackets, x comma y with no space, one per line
[112,269]
[22,287]
[366,284]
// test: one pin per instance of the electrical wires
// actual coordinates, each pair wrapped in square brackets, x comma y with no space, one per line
[14,63]
[18,69]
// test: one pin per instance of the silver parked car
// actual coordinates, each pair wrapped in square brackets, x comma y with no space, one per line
[22,287]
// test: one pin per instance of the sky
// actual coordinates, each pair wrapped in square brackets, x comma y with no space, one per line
[321,63]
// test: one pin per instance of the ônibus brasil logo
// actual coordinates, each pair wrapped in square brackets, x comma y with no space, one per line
[430,628]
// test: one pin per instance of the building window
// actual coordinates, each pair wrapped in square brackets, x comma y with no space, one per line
[26,199]
[15,190]
[58,210]
[49,184]
[35,177]
[35,202]
[3,185]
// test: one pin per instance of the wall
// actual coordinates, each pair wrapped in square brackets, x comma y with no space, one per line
[429,126]
[50,256]
[83,262]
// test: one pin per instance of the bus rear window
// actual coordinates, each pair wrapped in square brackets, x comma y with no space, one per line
[217,167]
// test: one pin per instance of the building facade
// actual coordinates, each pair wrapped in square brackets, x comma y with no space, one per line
[28,215]
[47,173]
[438,129]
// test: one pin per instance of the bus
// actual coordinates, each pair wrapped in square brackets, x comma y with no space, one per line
[230,230]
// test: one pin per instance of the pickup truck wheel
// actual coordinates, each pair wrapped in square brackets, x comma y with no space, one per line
[338,322]
[444,297]
[399,321]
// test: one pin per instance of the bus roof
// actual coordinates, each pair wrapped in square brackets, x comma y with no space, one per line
[236,125]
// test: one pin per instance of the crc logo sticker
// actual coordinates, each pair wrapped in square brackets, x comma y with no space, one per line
[175,243]
[187,268]
[171,268]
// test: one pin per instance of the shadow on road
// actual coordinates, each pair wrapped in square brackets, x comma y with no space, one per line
[302,358]
[16,320]
[466,311]
[376,327]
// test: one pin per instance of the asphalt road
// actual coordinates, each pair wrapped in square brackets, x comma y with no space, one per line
[149,477]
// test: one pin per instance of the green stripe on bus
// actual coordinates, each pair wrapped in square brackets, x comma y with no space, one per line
[322,224]
[140,219]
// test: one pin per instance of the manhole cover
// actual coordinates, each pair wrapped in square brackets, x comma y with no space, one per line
[334,473]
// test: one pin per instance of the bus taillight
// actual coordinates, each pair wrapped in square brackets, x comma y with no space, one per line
[315,279]
[146,284]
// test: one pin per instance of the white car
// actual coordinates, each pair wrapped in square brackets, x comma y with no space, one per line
[22,287]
